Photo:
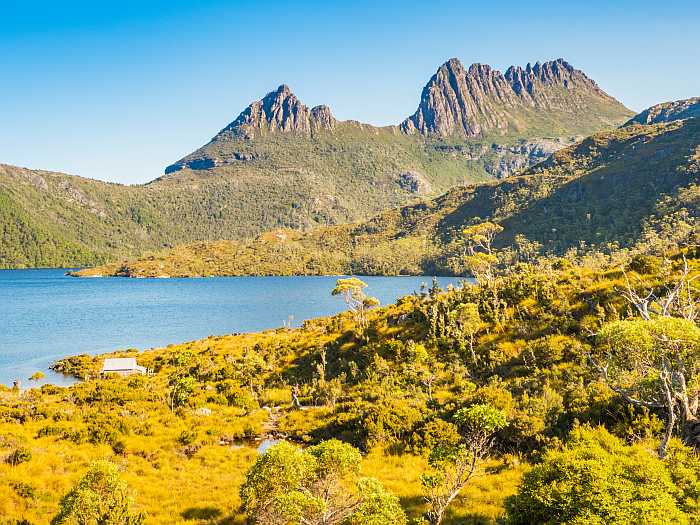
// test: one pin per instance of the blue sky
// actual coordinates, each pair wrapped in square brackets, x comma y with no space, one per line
[118,90]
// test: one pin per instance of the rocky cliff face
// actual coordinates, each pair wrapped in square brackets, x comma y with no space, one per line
[279,110]
[668,111]
[469,102]
[504,161]
[540,102]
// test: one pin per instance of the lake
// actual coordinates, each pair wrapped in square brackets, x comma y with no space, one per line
[45,315]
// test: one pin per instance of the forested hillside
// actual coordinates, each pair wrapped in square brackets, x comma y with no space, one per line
[281,164]
[531,398]
[635,187]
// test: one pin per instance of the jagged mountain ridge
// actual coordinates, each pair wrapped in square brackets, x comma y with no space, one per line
[552,99]
[472,101]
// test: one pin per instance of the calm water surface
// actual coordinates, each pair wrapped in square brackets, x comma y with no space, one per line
[45,315]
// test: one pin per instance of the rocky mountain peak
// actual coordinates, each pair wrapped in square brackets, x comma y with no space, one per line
[279,111]
[471,101]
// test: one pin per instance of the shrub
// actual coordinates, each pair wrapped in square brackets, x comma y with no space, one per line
[434,433]
[19,456]
[23,490]
[598,479]
[320,484]
[101,496]
[187,437]
[119,447]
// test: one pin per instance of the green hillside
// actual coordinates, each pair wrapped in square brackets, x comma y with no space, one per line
[281,164]
[635,187]
[296,181]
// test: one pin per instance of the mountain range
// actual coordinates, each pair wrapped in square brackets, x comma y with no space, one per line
[281,164]
[635,187]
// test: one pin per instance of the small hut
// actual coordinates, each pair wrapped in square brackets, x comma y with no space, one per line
[123,366]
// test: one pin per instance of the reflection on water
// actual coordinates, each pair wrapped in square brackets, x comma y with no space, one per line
[267,443]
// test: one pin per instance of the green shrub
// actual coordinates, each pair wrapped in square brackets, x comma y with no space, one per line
[19,456]
[597,479]
[187,437]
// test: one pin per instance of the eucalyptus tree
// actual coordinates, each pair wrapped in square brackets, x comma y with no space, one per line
[352,291]
[453,465]
[653,360]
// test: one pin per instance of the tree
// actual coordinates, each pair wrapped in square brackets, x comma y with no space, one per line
[468,322]
[654,363]
[180,390]
[327,390]
[677,300]
[453,465]
[352,291]
[526,249]
[249,370]
[596,479]
[481,237]
[316,486]
[482,261]
[100,498]
[480,257]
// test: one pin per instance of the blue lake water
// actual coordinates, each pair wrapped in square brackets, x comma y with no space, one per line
[45,315]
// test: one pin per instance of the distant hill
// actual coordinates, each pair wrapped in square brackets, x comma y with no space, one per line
[668,112]
[281,164]
[636,186]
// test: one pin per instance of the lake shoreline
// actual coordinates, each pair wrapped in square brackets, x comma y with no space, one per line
[48,315]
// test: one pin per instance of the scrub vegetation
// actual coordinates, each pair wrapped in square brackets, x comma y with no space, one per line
[515,400]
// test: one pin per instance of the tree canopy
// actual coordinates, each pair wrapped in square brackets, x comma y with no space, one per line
[101,497]
[319,485]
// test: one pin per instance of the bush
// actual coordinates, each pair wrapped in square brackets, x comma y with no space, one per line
[23,490]
[286,483]
[19,456]
[187,437]
[119,447]
[597,479]
[645,264]
[434,433]
[101,496]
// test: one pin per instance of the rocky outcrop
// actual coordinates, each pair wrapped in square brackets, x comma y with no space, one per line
[280,110]
[413,182]
[322,118]
[668,111]
[504,161]
[470,102]
[197,161]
